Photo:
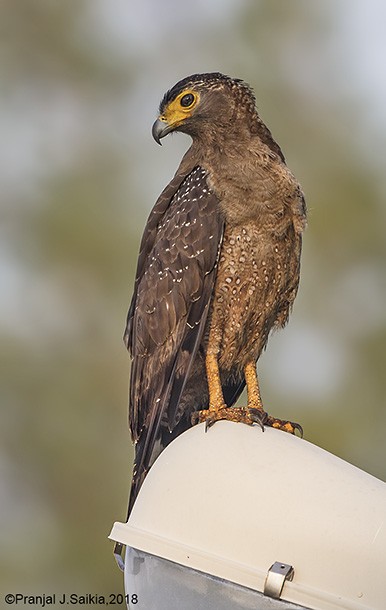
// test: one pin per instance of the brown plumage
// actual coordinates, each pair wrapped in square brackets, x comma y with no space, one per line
[218,268]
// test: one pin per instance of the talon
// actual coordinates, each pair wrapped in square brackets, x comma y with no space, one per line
[253,413]
[209,423]
[259,416]
[286,426]
[245,415]
[299,428]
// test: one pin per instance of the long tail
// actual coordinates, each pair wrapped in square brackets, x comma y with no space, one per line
[145,455]
[136,484]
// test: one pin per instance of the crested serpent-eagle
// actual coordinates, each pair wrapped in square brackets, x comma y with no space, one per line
[218,269]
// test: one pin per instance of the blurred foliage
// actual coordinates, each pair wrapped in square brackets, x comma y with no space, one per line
[80,85]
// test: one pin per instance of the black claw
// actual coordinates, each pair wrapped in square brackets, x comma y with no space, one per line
[209,423]
[298,428]
[258,417]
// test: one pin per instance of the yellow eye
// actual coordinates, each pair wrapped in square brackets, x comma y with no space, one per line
[187,100]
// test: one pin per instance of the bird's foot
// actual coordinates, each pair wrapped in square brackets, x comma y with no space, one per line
[244,415]
[286,426]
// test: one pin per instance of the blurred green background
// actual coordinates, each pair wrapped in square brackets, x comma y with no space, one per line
[80,83]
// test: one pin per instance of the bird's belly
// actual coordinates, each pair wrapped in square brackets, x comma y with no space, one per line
[248,296]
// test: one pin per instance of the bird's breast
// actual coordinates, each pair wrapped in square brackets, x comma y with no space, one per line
[253,275]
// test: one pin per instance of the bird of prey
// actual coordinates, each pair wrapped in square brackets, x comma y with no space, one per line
[218,269]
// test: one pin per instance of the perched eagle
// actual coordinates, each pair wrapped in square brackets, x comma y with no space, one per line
[218,269]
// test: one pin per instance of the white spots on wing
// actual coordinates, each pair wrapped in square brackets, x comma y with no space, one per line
[196,253]
[178,235]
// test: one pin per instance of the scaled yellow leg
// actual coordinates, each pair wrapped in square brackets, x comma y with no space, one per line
[254,396]
[216,397]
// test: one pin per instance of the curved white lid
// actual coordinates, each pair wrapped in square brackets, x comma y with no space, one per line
[234,500]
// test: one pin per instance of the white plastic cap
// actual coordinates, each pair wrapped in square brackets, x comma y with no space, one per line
[233,501]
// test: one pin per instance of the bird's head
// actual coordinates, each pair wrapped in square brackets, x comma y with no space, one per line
[204,104]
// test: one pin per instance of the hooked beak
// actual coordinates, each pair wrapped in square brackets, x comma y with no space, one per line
[160,129]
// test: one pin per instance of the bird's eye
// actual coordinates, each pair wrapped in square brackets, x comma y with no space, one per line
[187,100]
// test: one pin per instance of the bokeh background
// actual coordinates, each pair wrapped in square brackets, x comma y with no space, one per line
[80,83]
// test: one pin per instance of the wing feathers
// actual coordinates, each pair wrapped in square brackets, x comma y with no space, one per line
[174,285]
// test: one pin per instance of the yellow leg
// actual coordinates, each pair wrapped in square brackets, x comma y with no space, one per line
[216,397]
[254,396]
[255,402]
[218,409]
[252,414]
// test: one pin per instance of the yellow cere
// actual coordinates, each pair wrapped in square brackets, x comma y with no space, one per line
[175,113]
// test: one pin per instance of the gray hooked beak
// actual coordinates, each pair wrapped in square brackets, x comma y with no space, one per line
[160,129]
